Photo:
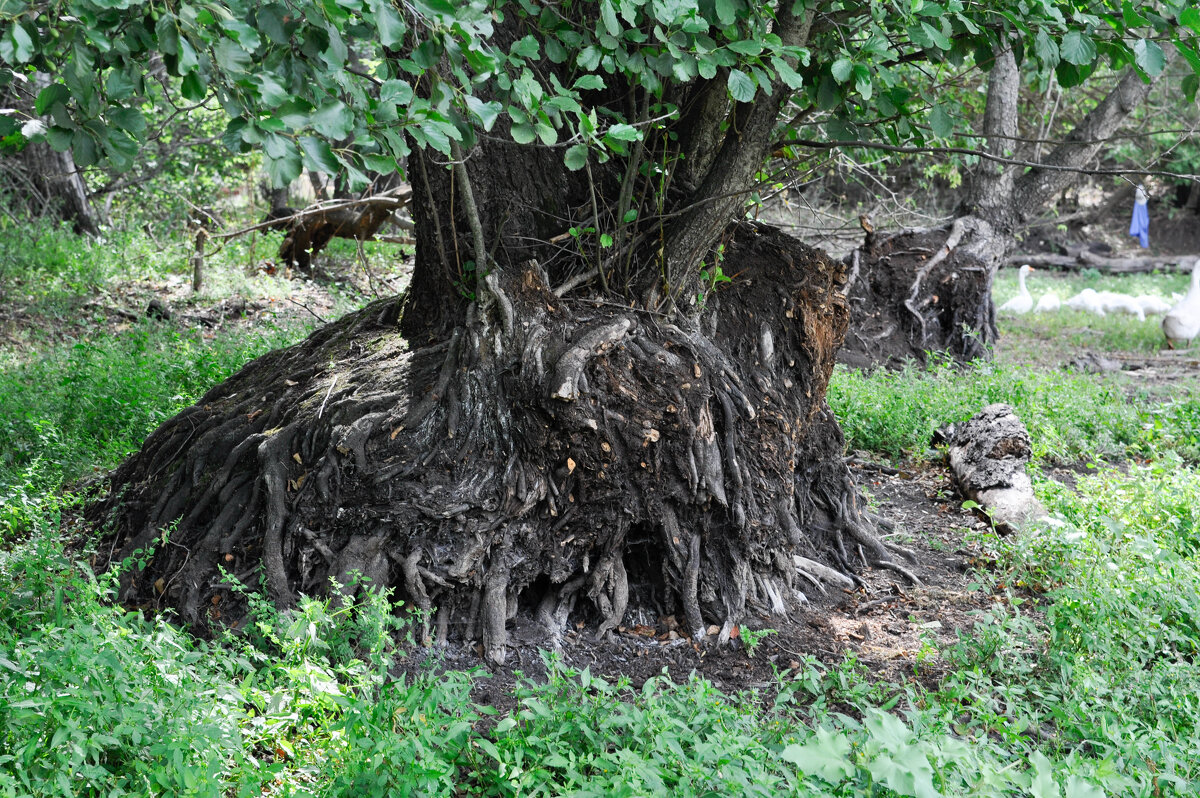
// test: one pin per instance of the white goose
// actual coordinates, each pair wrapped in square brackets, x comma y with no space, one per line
[1088,301]
[1153,305]
[1048,303]
[1182,323]
[1022,302]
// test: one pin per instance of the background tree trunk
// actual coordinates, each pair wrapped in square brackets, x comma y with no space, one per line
[930,290]
[46,181]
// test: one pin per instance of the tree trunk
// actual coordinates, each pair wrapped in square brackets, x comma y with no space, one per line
[930,290]
[45,180]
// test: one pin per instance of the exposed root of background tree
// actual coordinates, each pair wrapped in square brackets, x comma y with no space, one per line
[918,291]
[565,459]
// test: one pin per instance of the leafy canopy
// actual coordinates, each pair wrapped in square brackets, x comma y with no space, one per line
[351,84]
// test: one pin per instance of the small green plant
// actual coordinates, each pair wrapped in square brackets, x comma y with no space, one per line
[751,638]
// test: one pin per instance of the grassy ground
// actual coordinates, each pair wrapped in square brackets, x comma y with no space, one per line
[1080,680]
[1039,336]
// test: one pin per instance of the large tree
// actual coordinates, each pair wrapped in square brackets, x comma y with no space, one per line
[601,389]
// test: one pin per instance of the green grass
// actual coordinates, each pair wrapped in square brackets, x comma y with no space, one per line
[1079,681]
[1071,416]
[86,405]
[1063,334]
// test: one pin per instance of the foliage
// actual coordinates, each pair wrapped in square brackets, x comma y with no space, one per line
[291,83]
[1089,691]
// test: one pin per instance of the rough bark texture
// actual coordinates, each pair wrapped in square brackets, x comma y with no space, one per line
[988,456]
[918,291]
[564,457]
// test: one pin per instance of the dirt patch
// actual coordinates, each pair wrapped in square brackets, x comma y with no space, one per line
[893,628]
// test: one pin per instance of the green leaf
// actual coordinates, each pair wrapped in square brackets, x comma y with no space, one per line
[395,91]
[609,17]
[1077,49]
[1069,75]
[390,25]
[231,57]
[284,169]
[841,69]
[523,133]
[121,148]
[629,216]
[526,47]
[741,87]
[791,77]
[546,133]
[622,132]
[576,157]
[270,92]
[318,156]
[1190,17]
[745,46]
[487,113]
[333,120]
[119,86]
[22,44]
[1046,49]
[1149,56]
[383,164]
[827,757]
[47,97]
[1130,15]
[1078,788]
[726,12]
[941,122]
[588,83]
[129,119]
[936,36]
[1042,777]
[862,81]
[270,20]
[193,88]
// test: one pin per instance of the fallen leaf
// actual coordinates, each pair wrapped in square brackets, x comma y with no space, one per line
[570,466]
[159,586]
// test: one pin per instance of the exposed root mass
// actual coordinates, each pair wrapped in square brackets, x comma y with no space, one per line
[565,458]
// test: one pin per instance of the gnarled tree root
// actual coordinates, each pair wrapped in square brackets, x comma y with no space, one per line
[517,464]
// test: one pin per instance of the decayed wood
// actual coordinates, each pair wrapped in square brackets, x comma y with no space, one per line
[1091,260]
[988,455]
[310,230]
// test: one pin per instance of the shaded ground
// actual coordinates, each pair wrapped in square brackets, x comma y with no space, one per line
[894,629]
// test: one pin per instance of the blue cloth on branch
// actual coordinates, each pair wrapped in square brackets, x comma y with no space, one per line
[1139,225]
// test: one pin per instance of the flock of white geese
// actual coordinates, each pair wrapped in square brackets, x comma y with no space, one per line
[1181,316]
